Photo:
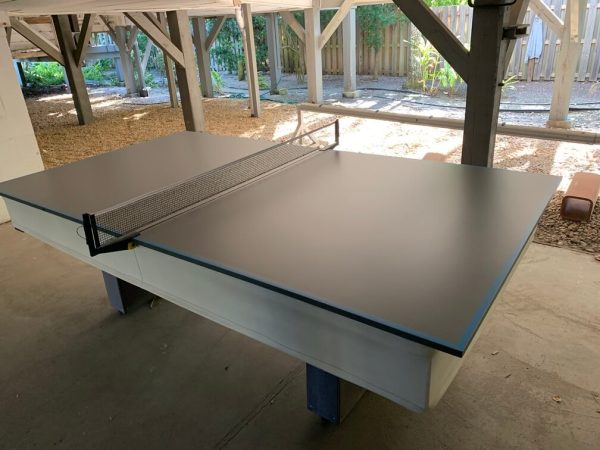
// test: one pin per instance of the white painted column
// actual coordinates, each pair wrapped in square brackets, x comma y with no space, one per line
[568,56]
[244,20]
[349,43]
[314,62]
[274,48]
[19,154]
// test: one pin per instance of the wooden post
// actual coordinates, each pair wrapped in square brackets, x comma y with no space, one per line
[191,98]
[169,70]
[274,48]
[314,63]
[125,54]
[202,56]
[349,43]
[568,56]
[141,83]
[244,19]
[64,36]
[485,73]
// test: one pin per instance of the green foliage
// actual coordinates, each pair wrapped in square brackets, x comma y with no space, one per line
[263,82]
[434,3]
[217,80]
[97,71]
[433,72]
[43,73]
[373,19]
[228,51]
[149,79]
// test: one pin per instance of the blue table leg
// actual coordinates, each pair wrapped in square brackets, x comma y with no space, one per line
[123,295]
[330,397]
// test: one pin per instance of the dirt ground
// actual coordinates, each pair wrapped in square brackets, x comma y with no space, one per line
[120,121]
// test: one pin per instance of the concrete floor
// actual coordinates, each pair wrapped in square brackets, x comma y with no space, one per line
[74,374]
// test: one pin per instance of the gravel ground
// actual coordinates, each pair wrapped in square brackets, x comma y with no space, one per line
[122,121]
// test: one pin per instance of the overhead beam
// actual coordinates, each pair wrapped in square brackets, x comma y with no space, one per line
[214,32]
[547,15]
[335,22]
[294,25]
[25,30]
[154,19]
[84,38]
[191,98]
[64,36]
[434,30]
[159,38]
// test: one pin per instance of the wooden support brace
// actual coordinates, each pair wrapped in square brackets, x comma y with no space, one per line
[146,57]
[244,19]
[84,38]
[438,34]
[486,71]
[25,30]
[133,32]
[314,62]
[191,98]
[202,56]
[547,15]
[169,71]
[64,36]
[294,25]
[214,32]
[158,36]
[155,20]
[335,22]
[8,31]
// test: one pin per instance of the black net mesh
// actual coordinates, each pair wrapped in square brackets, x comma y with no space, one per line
[159,205]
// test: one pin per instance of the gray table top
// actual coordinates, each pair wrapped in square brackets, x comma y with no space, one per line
[416,248]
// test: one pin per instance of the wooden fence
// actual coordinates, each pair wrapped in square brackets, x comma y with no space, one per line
[394,56]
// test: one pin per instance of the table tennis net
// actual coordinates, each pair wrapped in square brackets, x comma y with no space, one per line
[112,229]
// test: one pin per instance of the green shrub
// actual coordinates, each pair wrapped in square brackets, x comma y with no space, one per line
[149,80]
[43,73]
[263,82]
[97,71]
[217,81]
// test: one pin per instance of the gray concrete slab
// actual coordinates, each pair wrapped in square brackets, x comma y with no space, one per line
[75,374]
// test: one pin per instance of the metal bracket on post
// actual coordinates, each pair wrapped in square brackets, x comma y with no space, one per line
[515,32]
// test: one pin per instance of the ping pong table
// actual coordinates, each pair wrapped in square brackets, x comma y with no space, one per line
[376,271]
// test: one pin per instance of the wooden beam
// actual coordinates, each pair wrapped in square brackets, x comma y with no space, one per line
[8,31]
[159,38]
[202,56]
[146,57]
[486,71]
[37,39]
[191,98]
[214,32]
[244,19]
[84,38]
[141,83]
[335,22]
[438,34]
[133,32]
[154,19]
[64,36]
[120,39]
[294,24]
[547,15]
[516,15]
[109,26]
[169,71]
[349,50]
[314,62]
[566,65]
[274,50]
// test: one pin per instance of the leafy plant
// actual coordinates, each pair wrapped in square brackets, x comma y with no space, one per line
[432,70]
[510,82]
[217,81]
[263,83]
[149,79]
[373,19]
[448,77]
[43,73]
[97,71]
